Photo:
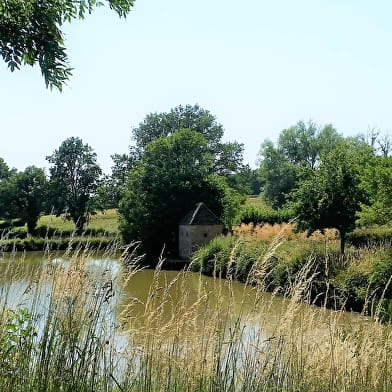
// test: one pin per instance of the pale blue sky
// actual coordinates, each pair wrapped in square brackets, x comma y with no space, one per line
[258,66]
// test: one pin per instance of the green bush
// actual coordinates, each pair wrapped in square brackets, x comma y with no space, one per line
[50,232]
[259,216]
[370,237]
[352,288]
[213,257]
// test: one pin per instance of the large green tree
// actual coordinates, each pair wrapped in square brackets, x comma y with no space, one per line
[5,171]
[174,174]
[24,196]
[74,178]
[31,32]
[330,195]
[298,147]
[227,157]
[377,183]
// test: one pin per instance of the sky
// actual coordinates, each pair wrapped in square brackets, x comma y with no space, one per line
[259,66]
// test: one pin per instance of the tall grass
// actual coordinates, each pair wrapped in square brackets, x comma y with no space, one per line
[74,336]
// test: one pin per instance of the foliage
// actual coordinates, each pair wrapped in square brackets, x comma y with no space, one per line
[212,258]
[245,181]
[330,196]
[377,183]
[17,346]
[74,178]
[57,243]
[369,236]
[5,171]
[31,32]
[380,143]
[259,216]
[298,146]
[24,196]
[359,282]
[174,174]
[227,156]
[112,187]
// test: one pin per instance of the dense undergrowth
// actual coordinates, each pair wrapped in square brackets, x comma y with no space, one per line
[62,335]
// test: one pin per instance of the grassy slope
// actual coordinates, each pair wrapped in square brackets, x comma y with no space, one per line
[107,220]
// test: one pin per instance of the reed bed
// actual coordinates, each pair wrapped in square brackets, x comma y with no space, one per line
[66,329]
[268,232]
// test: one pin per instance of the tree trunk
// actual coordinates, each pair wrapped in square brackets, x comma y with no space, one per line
[31,226]
[342,241]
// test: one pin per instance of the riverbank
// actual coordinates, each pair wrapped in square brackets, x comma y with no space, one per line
[358,281]
[56,233]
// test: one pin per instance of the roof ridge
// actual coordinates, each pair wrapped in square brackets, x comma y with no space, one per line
[199,214]
[195,212]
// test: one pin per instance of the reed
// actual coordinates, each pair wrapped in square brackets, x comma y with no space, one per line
[73,335]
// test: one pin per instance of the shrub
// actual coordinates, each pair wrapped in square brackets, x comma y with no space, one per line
[369,237]
[213,257]
[259,216]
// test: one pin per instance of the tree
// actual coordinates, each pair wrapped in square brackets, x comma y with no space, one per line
[330,196]
[377,183]
[24,196]
[278,175]
[298,146]
[5,171]
[381,144]
[174,174]
[247,181]
[112,187]
[74,178]
[31,32]
[227,156]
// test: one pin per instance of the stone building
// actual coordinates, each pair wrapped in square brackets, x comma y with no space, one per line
[197,228]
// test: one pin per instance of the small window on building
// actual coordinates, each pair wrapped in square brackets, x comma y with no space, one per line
[205,235]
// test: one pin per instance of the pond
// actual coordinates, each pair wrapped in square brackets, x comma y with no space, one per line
[171,291]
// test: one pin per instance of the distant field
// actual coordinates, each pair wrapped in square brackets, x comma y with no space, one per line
[256,201]
[107,220]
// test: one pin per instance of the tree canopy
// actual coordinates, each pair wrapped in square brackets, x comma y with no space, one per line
[24,196]
[5,171]
[74,178]
[174,174]
[31,32]
[299,146]
[112,187]
[227,156]
[377,183]
[330,196]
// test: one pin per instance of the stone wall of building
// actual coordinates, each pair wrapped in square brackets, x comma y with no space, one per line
[192,237]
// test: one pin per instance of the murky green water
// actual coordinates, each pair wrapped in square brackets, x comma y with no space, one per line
[18,272]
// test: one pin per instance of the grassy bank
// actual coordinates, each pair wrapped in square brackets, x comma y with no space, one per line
[198,346]
[359,280]
[106,221]
[57,233]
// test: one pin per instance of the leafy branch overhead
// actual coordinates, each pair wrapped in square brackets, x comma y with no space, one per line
[31,32]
